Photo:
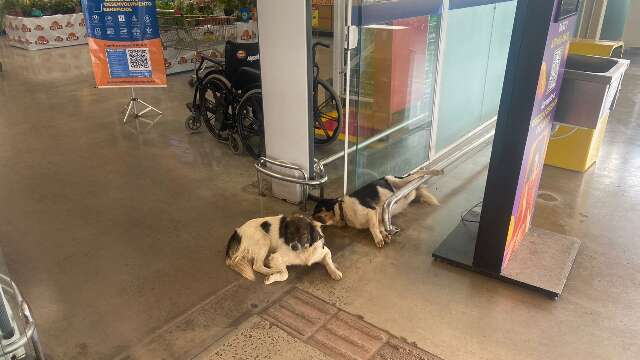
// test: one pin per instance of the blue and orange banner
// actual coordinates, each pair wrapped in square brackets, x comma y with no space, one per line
[124,41]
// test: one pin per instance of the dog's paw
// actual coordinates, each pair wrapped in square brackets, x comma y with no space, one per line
[386,237]
[380,242]
[336,275]
[279,276]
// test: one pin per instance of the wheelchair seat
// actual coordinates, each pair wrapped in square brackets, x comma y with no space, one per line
[242,64]
[248,77]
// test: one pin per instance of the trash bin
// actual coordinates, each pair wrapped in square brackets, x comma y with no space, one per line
[589,91]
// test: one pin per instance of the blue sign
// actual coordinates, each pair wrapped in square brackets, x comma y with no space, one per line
[132,21]
[124,41]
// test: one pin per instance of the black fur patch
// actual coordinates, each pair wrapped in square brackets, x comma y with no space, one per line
[325,205]
[368,195]
[233,244]
[315,234]
[266,226]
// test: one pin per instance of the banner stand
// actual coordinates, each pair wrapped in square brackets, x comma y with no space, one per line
[133,104]
[500,240]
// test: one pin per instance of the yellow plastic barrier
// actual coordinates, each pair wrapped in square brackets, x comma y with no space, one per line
[604,48]
[576,148]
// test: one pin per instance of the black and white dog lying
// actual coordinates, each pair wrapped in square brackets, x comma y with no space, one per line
[362,209]
[294,240]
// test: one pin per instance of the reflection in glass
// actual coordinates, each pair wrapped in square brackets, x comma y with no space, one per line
[393,73]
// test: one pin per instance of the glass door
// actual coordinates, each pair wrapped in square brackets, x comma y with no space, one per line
[392,77]
[473,61]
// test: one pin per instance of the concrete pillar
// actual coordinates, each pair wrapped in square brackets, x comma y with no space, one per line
[286,67]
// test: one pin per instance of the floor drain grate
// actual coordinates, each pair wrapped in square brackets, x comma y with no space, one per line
[336,332]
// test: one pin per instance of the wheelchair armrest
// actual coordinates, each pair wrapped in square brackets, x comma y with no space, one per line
[249,71]
[212,60]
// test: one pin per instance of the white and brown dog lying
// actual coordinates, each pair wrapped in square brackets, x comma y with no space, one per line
[362,209]
[294,240]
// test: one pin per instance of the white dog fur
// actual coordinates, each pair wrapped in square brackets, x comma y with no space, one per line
[362,209]
[294,240]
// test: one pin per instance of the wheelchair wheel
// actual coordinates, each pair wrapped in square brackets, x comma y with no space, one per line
[193,123]
[327,114]
[214,108]
[250,123]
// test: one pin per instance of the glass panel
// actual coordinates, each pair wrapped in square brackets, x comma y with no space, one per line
[474,62]
[328,144]
[393,74]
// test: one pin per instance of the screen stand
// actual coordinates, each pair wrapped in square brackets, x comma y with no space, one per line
[135,104]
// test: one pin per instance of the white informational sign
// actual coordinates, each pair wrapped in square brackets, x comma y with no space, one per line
[35,33]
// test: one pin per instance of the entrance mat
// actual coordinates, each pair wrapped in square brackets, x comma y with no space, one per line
[338,334]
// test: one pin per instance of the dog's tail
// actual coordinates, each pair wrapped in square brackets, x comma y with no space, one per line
[403,181]
[236,259]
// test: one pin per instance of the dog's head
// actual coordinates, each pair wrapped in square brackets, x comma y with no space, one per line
[300,232]
[325,211]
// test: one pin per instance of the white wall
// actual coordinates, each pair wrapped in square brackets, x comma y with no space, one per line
[631,35]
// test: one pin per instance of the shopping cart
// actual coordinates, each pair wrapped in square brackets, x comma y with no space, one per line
[186,37]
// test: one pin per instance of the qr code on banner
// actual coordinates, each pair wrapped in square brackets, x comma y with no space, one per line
[138,59]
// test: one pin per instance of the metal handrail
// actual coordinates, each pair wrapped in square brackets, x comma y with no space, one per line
[30,331]
[305,182]
[441,163]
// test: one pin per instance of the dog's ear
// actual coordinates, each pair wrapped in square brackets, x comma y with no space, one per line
[282,229]
[325,205]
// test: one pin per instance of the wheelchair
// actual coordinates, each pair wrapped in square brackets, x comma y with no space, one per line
[227,98]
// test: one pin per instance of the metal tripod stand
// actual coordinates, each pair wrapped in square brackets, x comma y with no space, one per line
[134,103]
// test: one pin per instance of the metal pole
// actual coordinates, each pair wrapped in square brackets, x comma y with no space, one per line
[435,106]
[347,108]
[133,100]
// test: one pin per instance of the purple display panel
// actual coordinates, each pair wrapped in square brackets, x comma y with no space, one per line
[550,80]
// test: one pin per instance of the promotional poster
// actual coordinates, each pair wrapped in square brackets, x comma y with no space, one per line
[124,42]
[551,75]
[35,33]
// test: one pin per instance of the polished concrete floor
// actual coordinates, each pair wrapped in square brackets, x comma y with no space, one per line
[116,235]
[460,315]
[111,231]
